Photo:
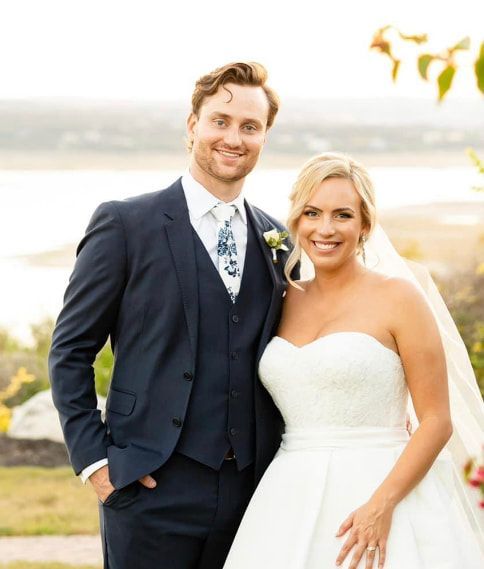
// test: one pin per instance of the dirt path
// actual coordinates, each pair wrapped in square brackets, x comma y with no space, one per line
[74,549]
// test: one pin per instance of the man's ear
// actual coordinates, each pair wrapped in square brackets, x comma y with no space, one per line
[192,121]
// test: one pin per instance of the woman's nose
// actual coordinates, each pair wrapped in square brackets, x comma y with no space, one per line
[325,227]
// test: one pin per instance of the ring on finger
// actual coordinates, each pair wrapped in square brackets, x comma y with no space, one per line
[371,548]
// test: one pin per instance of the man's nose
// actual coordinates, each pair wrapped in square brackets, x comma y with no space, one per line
[232,136]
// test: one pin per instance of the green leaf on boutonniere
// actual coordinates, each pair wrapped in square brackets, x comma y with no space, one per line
[275,240]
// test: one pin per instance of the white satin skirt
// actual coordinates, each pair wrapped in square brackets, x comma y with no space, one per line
[317,478]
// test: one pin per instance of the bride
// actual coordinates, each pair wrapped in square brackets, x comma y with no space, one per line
[349,486]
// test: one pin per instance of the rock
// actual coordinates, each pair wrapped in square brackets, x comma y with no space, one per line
[37,418]
[28,452]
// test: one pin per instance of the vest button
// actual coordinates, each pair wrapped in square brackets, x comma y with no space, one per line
[233,431]
[234,394]
[234,356]
[188,376]
[235,318]
[177,422]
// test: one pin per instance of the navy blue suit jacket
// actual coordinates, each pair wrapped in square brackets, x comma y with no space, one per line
[135,282]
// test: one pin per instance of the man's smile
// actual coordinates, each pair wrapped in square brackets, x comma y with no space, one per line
[229,153]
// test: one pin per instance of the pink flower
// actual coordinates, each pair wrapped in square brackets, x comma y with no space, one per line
[474,475]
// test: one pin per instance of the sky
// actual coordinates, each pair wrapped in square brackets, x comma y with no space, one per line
[155,50]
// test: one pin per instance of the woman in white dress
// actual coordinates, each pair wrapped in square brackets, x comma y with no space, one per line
[349,487]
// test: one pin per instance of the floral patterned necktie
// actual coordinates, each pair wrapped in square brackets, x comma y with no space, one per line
[228,266]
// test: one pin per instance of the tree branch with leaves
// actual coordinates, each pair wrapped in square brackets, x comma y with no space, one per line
[384,42]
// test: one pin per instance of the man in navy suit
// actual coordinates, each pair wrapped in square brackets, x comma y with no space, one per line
[184,285]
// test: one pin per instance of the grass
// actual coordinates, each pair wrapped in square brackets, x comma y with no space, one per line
[45,501]
[47,565]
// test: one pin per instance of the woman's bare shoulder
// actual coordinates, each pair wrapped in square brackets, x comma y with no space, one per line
[395,288]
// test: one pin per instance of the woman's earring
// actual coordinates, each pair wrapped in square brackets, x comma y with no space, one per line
[363,253]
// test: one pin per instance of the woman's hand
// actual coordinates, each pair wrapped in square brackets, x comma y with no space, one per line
[369,527]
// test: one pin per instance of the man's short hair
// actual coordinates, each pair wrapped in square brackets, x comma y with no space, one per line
[252,74]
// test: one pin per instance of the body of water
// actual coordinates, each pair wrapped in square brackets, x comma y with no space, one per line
[45,210]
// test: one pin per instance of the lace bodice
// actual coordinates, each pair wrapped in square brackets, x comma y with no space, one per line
[344,379]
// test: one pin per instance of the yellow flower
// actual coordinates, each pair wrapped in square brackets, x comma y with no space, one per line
[16,383]
[5,418]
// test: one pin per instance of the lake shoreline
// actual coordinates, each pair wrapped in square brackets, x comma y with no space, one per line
[158,161]
[408,227]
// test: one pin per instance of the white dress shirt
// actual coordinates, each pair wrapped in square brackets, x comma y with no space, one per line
[200,202]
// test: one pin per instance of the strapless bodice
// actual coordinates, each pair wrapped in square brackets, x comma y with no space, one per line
[344,379]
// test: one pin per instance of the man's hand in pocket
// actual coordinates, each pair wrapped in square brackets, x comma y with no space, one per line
[103,487]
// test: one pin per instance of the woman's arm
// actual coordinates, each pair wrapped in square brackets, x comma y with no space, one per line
[419,344]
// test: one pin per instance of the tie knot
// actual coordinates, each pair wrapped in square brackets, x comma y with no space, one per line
[223,212]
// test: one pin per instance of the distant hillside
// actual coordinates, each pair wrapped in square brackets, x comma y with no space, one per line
[31,131]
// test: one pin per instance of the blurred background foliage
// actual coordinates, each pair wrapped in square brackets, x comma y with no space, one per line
[24,368]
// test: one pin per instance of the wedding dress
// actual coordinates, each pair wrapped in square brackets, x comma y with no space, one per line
[343,398]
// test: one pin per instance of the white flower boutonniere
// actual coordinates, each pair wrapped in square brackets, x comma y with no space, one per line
[275,239]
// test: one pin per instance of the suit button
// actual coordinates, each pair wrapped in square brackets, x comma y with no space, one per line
[235,318]
[234,394]
[233,431]
[188,376]
[234,356]
[177,422]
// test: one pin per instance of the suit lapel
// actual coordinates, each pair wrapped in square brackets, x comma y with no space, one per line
[180,239]
[262,224]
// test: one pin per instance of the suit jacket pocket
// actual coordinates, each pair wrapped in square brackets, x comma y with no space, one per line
[121,402]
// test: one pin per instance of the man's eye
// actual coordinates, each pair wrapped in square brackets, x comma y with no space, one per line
[219,122]
[250,127]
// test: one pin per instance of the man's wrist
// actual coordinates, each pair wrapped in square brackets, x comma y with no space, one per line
[91,469]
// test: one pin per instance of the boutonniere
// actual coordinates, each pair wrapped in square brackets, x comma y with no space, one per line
[275,239]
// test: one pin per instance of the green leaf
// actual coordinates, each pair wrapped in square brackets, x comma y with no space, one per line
[464,43]
[396,66]
[444,80]
[423,64]
[479,69]
[417,38]
[478,163]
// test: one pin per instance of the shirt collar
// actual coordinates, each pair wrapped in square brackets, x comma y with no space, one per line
[200,201]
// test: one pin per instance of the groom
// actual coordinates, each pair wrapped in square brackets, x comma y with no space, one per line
[184,285]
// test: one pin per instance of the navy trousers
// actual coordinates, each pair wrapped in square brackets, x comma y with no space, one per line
[187,522]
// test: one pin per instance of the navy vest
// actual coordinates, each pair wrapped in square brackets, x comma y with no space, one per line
[221,410]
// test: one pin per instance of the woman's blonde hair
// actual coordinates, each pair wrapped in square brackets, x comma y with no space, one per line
[313,173]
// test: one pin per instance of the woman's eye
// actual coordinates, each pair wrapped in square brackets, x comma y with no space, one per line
[310,213]
[345,215]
